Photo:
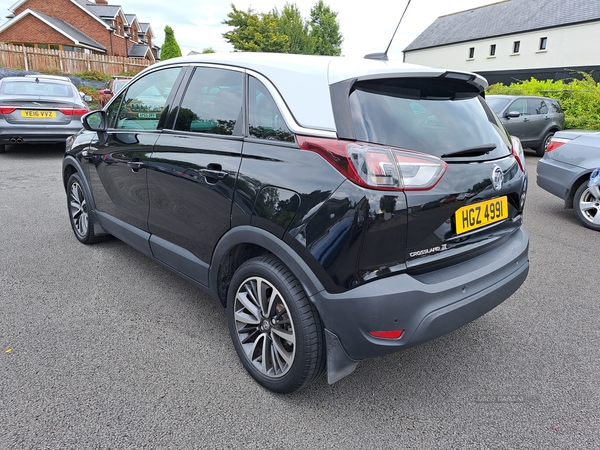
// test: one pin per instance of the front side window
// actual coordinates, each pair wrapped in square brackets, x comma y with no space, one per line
[142,105]
[265,121]
[520,106]
[212,103]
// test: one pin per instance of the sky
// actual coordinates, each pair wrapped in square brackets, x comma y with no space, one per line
[366,27]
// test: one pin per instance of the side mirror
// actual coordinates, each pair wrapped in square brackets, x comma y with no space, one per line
[87,98]
[512,114]
[97,121]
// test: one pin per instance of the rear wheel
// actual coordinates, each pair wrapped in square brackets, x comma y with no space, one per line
[276,330]
[544,145]
[78,205]
[586,204]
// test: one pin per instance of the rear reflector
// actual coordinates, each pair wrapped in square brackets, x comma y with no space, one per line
[393,334]
[377,166]
[555,143]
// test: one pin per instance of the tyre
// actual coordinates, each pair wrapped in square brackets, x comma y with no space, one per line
[276,330]
[77,204]
[586,204]
[544,145]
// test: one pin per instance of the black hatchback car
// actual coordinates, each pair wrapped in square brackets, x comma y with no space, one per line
[340,209]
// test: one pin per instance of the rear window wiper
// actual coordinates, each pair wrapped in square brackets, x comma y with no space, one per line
[480,150]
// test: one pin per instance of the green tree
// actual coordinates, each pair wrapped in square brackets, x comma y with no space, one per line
[325,30]
[296,29]
[208,50]
[170,48]
[254,32]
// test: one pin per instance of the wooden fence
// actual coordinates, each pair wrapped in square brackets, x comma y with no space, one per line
[56,61]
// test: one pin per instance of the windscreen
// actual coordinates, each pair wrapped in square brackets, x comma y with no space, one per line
[436,116]
[497,104]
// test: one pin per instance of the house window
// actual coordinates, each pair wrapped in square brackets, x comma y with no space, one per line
[543,43]
[493,50]
[472,53]
[516,46]
[54,47]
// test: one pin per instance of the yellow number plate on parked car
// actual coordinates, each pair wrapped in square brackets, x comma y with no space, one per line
[480,214]
[32,114]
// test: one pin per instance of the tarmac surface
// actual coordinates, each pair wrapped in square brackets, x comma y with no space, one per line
[102,348]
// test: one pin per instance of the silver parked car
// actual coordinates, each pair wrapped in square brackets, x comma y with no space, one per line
[565,171]
[39,109]
[534,120]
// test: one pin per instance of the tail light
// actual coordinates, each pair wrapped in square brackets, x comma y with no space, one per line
[555,143]
[378,167]
[518,153]
[7,109]
[73,111]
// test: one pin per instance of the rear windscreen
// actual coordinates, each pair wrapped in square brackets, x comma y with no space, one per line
[436,116]
[43,89]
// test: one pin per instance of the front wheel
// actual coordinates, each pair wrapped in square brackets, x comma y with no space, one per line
[544,145]
[78,205]
[276,330]
[586,204]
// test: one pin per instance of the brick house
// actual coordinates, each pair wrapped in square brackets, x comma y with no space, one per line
[79,26]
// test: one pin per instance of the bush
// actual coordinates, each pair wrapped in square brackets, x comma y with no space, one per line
[93,75]
[579,98]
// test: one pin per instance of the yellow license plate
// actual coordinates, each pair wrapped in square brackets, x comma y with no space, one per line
[480,214]
[33,114]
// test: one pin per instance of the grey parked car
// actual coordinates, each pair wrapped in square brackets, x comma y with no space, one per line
[565,171]
[39,109]
[533,119]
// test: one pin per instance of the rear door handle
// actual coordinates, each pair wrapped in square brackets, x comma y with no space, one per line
[135,165]
[214,174]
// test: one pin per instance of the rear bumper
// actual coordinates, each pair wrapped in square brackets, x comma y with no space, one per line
[557,177]
[25,135]
[424,306]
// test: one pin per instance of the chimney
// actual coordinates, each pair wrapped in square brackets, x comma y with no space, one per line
[101,2]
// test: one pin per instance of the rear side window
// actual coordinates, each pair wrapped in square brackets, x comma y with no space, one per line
[265,121]
[537,106]
[434,116]
[212,103]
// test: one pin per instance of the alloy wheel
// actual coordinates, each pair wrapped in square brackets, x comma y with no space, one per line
[78,210]
[264,327]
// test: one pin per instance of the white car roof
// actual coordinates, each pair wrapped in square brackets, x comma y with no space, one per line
[311,108]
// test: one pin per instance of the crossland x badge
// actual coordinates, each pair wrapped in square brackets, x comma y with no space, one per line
[497,178]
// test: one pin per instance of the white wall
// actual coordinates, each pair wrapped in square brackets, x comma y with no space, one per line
[575,45]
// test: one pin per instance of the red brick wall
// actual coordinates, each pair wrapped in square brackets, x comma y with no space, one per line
[34,31]
[73,14]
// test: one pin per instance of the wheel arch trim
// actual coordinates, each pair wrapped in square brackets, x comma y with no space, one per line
[246,234]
